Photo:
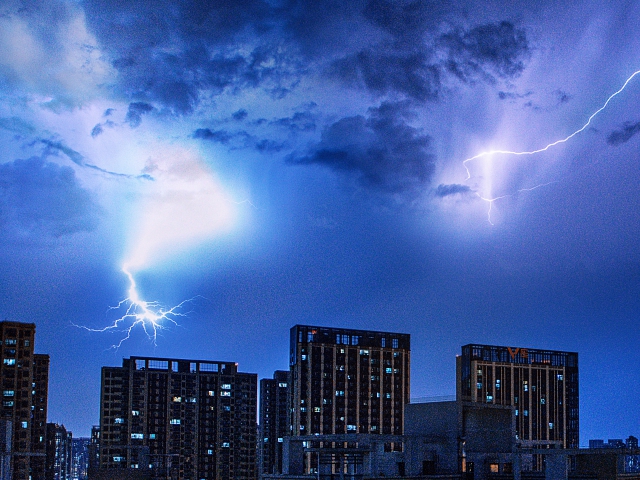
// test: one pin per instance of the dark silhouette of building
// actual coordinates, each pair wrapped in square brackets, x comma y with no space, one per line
[59,452]
[541,385]
[25,382]
[274,421]
[346,381]
[170,419]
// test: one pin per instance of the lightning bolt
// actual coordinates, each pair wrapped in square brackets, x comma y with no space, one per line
[540,150]
[149,315]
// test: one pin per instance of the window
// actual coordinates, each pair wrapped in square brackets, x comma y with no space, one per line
[560,377]
[118,459]
[282,384]
[174,421]
[10,341]
[388,370]
[177,399]
[351,427]
[550,425]
[152,436]
[7,403]
[135,413]
[489,398]
[211,393]
[24,425]
[210,451]
[137,436]
[9,361]
[226,386]
[119,420]
[316,409]
[225,444]
[394,343]
[8,393]
[225,394]
[339,393]
[494,468]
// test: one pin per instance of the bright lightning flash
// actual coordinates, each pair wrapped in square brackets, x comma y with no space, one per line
[151,316]
[540,150]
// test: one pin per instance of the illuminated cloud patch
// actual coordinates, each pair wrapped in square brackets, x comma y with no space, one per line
[184,206]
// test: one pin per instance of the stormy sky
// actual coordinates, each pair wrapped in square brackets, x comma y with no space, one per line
[288,161]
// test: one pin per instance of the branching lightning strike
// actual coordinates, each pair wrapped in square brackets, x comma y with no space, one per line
[540,150]
[151,316]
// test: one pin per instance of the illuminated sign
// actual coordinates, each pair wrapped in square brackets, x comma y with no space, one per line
[513,352]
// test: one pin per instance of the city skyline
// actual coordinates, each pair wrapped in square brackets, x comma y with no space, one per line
[281,162]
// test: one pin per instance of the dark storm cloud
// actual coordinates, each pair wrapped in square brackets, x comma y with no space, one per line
[169,53]
[219,136]
[445,190]
[99,128]
[238,140]
[623,135]
[381,150]
[40,198]
[240,115]
[486,51]
[419,69]
[55,147]
[135,112]
[304,121]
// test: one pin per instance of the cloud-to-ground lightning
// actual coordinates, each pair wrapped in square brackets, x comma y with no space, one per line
[539,150]
[184,206]
[150,316]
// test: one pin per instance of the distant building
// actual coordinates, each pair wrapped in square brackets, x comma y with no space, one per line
[170,418]
[345,381]
[59,456]
[274,422]
[80,458]
[25,382]
[541,385]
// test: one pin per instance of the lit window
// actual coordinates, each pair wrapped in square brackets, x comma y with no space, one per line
[210,452]
[339,393]
[280,439]
[516,412]
[316,409]
[225,444]
[550,425]
[364,352]
[489,398]
[542,401]
[10,341]
[9,361]
[119,420]
[177,399]
[494,468]
[137,436]
[24,425]
[387,395]
[118,459]
[152,436]
[225,394]
[351,427]
[226,386]
[227,408]
[7,403]
[560,377]
[526,413]
[479,385]
[135,413]
[388,370]
[174,421]
[8,393]
[303,409]
[304,357]
[282,385]
[211,393]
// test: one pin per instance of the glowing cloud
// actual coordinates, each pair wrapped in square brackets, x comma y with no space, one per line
[488,168]
[184,205]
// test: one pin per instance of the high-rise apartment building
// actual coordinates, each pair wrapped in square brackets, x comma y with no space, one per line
[541,385]
[80,458]
[274,421]
[59,457]
[25,383]
[348,381]
[188,419]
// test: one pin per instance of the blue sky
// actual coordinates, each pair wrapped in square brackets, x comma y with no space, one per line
[284,162]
